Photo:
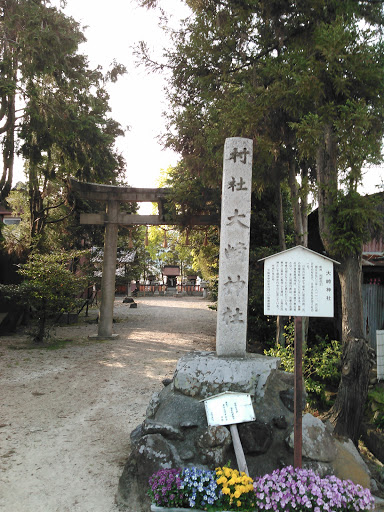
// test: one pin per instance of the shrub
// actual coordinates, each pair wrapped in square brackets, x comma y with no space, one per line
[376,404]
[50,286]
[321,363]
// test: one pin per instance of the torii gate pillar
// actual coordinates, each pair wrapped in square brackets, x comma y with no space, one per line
[109,272]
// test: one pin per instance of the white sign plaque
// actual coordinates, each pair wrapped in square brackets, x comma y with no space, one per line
[298,282]
[229,408]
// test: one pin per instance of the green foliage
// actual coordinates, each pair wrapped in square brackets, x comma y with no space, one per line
[175,252]
[52,284]
[264,241]
[376,406]
[304,81]
[189,194]
[321,363]
[354,219]
[64,127]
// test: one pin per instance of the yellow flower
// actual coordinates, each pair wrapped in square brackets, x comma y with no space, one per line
[238,503]
[221,480]
[225,490]
[237,494]
[227,472]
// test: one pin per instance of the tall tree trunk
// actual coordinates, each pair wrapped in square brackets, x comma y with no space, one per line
[36,207]
[347,411]
[350,275]
[299,199]
[9,51]
[281,321]
[8,151]
[280,216]
[326,169]
[296,206]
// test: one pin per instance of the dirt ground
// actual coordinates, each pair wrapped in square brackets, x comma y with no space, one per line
[66,414]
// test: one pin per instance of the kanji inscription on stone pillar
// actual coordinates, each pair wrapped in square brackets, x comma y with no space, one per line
[234,248]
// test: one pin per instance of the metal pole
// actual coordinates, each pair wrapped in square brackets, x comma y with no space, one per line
[298,431]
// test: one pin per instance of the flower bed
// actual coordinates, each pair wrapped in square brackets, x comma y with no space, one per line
[225,490]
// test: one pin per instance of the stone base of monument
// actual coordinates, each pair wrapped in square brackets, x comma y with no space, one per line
[175,432]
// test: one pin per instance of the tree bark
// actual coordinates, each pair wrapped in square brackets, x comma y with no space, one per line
[296,206]
[326,170]
[8,151]
[36,206]
[281,321]
[350,276]
[347,412]
[280,216]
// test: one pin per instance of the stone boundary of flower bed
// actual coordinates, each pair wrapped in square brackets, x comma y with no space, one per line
[379,504]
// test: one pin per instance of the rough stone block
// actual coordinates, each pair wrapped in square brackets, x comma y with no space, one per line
[280,422]
[204,374]
[214,445]
[176,409]
[318,443]
[288,398]
[348,464]
[166,430]
[153,405]
[256,437]
[214,436]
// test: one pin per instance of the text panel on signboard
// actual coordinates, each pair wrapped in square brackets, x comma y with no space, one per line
[229,409]
[298,286]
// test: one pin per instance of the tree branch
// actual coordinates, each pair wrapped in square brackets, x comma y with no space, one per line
[61,218]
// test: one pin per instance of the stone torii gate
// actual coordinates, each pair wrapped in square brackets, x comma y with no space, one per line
[112,218]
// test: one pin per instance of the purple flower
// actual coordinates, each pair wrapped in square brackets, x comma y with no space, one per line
[292,490]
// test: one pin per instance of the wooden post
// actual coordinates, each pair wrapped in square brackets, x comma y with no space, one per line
[298,421]
[239,452]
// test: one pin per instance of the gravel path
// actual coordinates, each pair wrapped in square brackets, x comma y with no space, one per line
[66,414]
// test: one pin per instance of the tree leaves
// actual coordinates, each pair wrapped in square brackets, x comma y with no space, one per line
[64,127]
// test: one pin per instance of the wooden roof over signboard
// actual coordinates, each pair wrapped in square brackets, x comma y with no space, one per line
[298,248]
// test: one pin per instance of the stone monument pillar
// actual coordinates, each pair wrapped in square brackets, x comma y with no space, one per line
[234,248]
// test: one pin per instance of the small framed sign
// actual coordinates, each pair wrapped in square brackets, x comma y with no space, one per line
[229,408]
